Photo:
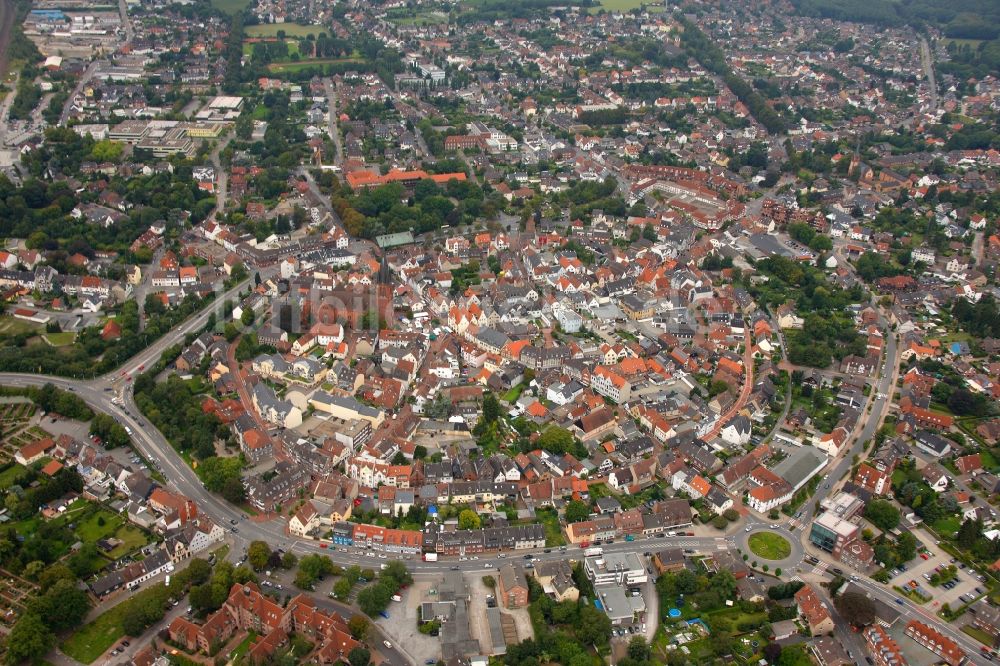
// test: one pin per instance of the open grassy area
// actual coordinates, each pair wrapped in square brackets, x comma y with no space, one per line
[304,64]
[132,538]
[98,525]
[620,5]
[242,648]
[947,526]
[10,327]
[290,29]
[512,395]
[979,635]
[230,6]
[293,47]
[60,339]
[8,476]
[769,546]
[93,639]
[553,532]
[420,18]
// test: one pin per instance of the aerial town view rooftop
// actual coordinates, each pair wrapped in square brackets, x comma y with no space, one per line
[499,333]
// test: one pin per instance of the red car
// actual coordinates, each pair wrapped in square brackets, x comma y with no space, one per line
[924,556]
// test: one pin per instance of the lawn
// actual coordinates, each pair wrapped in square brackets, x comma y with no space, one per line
[512,395]
[769,546]
[99,525]
[947,526]
[93,639]
[10,327]
[290,29]
[304,64]
[230,6]
[242,648]
[979,635]
[293,47]
[8,476]
[619,5]
[60,339]
[553,532]
[132,538]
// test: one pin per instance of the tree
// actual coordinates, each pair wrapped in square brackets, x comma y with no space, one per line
[490,582]
[398,573]
[359,656]
[491,408]
[577,511]
[63,607]
[724,583]
[882,514]
[29,640]
[856,608]
[257,554]
[772,652]
[468,520]
[906,547]
[289,560]
[593,627]
[342,588]
[638,649]
[555,440]
[968,533]
[359,625]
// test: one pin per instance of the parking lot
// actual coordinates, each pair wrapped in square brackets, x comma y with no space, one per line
[958,591]
[401,625]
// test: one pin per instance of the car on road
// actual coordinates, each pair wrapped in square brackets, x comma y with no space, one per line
[387,644]
[489,565]
[385,615]
[899,601]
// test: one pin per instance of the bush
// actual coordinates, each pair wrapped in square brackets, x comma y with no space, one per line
[720,522]
[732,515]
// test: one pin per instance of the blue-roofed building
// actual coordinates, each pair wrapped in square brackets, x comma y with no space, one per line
[48,14]
[343,534]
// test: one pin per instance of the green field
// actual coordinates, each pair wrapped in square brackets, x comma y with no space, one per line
[230,6]
[293,47]
[10,327]
[95,638]
[420,19]
[620,5]
[290,29]
[60,339]
[304,64]
[8,476]
[769,546]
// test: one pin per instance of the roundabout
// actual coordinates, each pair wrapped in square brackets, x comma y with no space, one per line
[769,546]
